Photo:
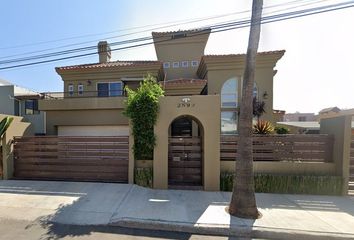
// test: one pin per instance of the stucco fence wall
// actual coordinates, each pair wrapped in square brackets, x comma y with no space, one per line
[17,128]
[338,127]
[339,164]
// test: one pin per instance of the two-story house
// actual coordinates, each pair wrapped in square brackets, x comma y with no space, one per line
[201,102]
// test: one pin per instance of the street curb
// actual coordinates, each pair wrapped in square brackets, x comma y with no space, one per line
[225,230]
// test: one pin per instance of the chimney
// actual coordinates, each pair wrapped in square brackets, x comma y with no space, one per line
[104,52]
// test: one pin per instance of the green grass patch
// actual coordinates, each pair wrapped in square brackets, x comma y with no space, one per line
[292,184]
[143,177]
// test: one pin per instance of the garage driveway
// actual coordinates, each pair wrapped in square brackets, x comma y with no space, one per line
[79,203]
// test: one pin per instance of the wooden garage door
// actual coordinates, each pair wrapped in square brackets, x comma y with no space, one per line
[72,158]
[93,131]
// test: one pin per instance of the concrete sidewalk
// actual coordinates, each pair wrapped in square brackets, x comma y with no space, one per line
[284,216]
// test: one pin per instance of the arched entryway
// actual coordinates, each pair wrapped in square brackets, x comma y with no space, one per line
[199,109]
[185,153]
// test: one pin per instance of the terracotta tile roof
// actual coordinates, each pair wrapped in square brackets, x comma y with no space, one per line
[110,64]
[185,82]
[242,54]
[196,30]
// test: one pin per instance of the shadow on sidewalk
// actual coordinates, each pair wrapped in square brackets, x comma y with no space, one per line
[307,202]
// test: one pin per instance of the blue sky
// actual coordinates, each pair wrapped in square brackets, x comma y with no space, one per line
[315,72]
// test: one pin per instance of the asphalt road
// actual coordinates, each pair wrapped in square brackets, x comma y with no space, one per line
[24,230]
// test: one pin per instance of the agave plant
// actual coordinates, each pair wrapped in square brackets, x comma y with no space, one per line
[4,124]
[263,127]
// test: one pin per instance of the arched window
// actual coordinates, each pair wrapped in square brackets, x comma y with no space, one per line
[229,93]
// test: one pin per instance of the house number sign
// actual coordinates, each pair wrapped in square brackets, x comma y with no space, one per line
[185,103]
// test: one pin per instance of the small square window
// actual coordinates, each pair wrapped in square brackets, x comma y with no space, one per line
[184,64]
[166,65]
[194,63]
[175,65]
[71,89]
[80,89]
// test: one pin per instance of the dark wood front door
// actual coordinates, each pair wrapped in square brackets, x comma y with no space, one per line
[185,161]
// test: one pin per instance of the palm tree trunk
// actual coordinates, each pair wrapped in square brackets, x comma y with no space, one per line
[243,201]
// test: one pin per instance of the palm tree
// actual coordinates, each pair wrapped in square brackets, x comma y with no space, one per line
[4,124]
[243,201]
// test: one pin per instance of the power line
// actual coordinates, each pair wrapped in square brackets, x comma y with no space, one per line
[215,29]
[177,23]
[140,27]
[70,51]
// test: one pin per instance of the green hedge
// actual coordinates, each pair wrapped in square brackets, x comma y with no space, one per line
[292,184]
[143,177]
[142,106]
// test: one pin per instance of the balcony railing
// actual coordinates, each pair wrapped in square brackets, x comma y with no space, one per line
[84,94]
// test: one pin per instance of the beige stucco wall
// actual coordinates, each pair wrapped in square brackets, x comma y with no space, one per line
[218,69]
[93,103]
[190,48]
[183,90]
[340,127]
[210,121]
[263,79]
[84,118]
[83,112]
[17,128]
[90,77]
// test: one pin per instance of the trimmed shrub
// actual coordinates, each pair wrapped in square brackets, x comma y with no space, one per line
[282,130]
[290,184]
[143,177]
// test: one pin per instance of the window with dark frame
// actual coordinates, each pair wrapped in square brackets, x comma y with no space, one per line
[71,89]
[111,89]
[166,65]
[175,64]
[194,63]
[80,89]
[31,107]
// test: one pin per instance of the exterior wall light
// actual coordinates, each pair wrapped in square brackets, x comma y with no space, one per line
[265,95]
